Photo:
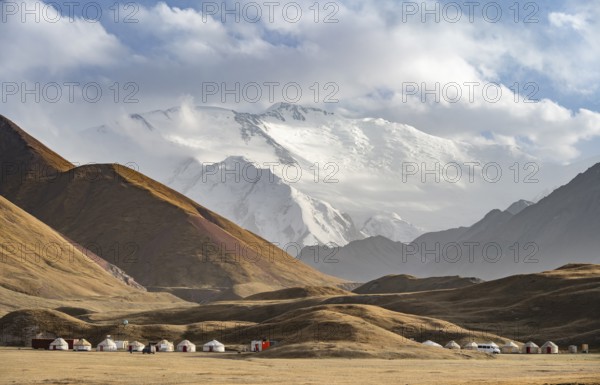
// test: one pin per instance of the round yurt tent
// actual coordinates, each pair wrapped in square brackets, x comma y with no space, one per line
[107,345]
[122,344]
[550,348]
[135,346]
[213,346]
[452,345]
[186,346]
[82,345]
[530,348]
[59,344]
[432,344]
[510,348]
[165,346]
[470,346]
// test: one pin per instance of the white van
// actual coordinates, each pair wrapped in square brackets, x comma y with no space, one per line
[488,348]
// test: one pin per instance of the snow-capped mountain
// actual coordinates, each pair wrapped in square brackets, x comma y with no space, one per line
[391,226]
[333,164]
[260,201]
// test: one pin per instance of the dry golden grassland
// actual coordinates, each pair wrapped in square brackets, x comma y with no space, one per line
[28,366]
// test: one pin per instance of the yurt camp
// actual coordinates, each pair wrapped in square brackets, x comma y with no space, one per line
[452,345]
[432,344]
[470,346]
[186,346]
[82,345]
[59,344]
[107,345]
[135,346]
[165,346]
[549,348]
[531,348]
[510,348]
[213,346]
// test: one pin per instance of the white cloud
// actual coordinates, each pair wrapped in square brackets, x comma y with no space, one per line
[53,44]
[560,19]
[370,54]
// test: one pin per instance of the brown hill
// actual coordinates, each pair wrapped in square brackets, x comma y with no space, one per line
[357,331]
[404,283]
[38,261]
[158,236]
[41,268]
[558,305]
[298,292]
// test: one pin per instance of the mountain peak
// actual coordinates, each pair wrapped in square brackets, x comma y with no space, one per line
[24,157]
[391,226]
[518,206]
[292,111]
[16,144]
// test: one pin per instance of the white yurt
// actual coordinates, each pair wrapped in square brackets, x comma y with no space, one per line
[433,344]
[256,346]
[107,345]
[530,348]
[135,346]
[510,347]
[186,346]
[213,346]
[470,346]
[165,346]
[550,348]
[452,345]
[82,345]
[122,344]
[59,344]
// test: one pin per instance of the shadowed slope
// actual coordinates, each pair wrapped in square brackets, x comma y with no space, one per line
[407,283]
[40,268]
[298,292]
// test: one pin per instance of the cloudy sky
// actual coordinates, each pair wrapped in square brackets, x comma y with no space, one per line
[520,73]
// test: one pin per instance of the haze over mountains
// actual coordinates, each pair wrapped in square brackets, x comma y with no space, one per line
[161,238]
[524,238]
[561,227]
[321,160]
